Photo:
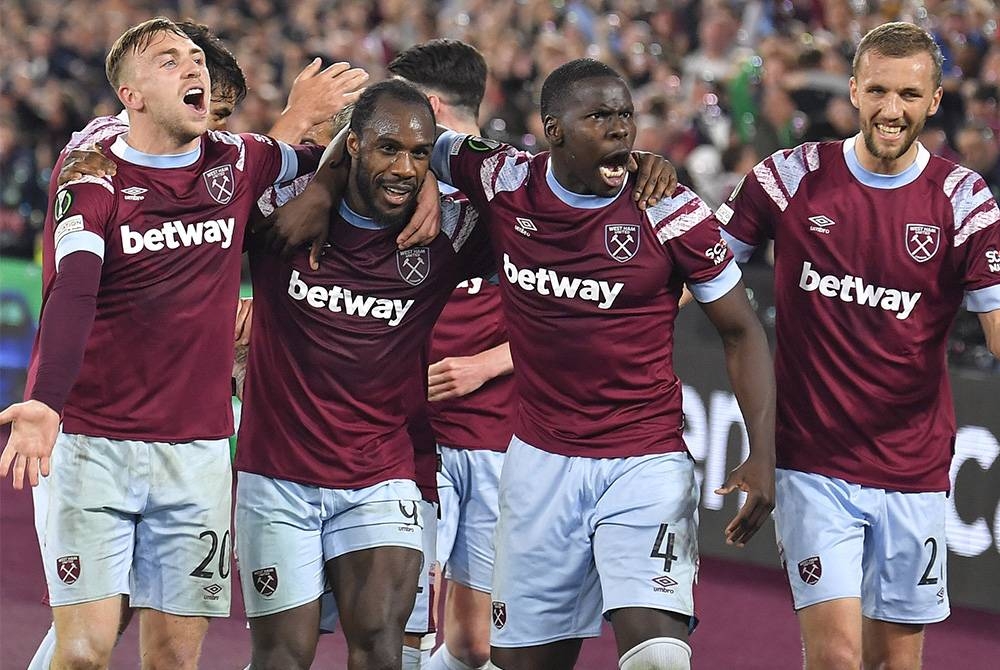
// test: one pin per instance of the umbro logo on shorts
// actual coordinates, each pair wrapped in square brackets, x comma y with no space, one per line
[265,581]
[499,614]
[68,569]
[212,591]
[664,584]
[810,570]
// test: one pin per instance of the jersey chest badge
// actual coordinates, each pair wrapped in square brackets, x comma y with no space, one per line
[621,240]
[414,264]
[922,241]
[220,184]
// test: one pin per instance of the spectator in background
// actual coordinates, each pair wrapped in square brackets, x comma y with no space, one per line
[979,151]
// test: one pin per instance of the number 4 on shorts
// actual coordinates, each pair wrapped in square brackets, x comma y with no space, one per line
[663,547]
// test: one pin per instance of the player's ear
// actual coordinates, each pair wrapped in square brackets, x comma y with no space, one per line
[435,103]
[130,97]
[553,130]
[353,144]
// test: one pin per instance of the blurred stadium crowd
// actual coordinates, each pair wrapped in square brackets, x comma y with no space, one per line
[718,84]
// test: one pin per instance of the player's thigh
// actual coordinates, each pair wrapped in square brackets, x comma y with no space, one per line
[646,547]
[467,623]
[421,619]
[285,640]
[184,531]
[831,633]
[905,571]
[373,545]
[558,655]
[472,556]
[87,631]
[891,645]
[545,585]
[168,641]
[820,530]
[279,527]
[84,516]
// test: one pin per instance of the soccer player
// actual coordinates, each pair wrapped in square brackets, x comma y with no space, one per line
[470,389]
[877,242]
[597,480]
[334,391]
[140,279]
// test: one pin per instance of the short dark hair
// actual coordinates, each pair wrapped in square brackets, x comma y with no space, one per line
[557,88]
[899,39]
[451,67]
[364,108]
[134,40]
[227,76]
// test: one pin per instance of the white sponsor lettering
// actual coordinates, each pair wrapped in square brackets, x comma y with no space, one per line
[854,289]
[993,260]
[175,234]
[472,286]
[549,282]
[339,299]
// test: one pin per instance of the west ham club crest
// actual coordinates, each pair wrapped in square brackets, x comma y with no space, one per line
[922,241]
[499,614]
[621,240]
[220,184]
[414,264]
[265,581]
[810,570]
[68,569]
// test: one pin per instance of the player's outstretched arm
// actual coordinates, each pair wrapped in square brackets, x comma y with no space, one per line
[317,96]
[34,428]
[748,361]
[655,178]
[85,161]
[990,322]
[457,376]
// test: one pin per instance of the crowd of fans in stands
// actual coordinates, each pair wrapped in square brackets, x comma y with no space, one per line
[718,84]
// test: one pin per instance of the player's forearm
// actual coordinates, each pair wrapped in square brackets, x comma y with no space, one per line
[751,375]
[290,127]
[990,322]
[496,362]
[65,327]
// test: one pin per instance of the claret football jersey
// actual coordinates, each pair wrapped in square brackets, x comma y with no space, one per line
[336,382]
[870,271]
[590,287]
[170,232]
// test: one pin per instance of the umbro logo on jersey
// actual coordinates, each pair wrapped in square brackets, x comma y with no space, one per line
[134,193]
[820,224]
[525,226]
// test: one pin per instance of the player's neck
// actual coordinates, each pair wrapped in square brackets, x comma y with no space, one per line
[154,139]
[460,123]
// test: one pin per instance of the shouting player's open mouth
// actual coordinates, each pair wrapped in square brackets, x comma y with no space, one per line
[196,100]
[612,168]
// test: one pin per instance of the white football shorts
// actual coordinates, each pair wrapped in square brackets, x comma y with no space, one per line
[145,519]
[843,540]
[286,532]
[578,537]
[469,488]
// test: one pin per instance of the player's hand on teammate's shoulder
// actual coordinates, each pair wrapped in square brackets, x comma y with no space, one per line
[34,428]
[655,178]
[755,477]
[425,223]
[85,161]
